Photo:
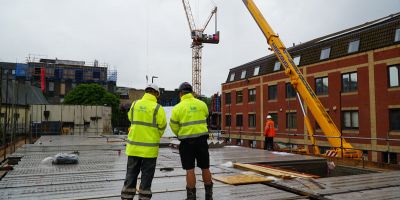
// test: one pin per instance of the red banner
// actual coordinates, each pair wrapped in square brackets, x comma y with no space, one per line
[42,79]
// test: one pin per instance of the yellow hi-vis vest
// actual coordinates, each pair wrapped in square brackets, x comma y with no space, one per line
[189,118]
[148,123]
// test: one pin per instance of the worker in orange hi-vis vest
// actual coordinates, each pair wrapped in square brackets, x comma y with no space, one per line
[269,134]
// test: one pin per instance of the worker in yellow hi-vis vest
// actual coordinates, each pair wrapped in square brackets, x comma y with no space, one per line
[148,123]
[189,123]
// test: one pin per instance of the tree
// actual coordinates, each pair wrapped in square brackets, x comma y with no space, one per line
[95,95]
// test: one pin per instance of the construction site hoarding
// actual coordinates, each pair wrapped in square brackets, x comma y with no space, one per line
[74,119]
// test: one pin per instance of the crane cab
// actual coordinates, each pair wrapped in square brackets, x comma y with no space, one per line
[198,39]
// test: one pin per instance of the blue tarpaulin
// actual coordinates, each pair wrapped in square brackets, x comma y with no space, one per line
[21,70]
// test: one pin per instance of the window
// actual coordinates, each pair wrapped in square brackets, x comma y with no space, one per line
[228,120]
[296,60]
[274,118]
[325,53]
[321,86]
[394,76]
[252,120]
[397,35]
[252,95]
[239,97]
[51,86]
[353,46]
[256,71]
[272,92]
[349,82]
[389,157]
[96,74]
[232,77]
[394,119]
[291,120]
[239,120]
[350,119]
[228,98]
[290,92]
[277,66]
[243,75]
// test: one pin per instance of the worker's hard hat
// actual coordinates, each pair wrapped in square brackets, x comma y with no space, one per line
[185,87]
[269,117]
[152,86]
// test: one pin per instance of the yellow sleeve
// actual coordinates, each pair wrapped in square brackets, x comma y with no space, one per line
[174,121]
[130,111]
[161,121]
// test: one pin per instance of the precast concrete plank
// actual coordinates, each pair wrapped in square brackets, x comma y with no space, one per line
[101,171]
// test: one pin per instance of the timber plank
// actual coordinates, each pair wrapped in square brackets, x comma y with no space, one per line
[271,171]
[242,179]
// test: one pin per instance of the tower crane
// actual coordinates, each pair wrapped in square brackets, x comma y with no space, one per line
[198,38]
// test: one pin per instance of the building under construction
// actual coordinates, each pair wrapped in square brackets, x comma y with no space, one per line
[57,77]
[355,74]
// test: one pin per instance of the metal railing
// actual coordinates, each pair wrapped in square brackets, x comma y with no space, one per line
[240,134]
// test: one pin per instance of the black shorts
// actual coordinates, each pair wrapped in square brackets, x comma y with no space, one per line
[194,149]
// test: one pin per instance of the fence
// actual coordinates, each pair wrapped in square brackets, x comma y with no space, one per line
[293,138]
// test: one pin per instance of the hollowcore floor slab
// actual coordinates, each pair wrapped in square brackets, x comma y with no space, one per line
[101,171]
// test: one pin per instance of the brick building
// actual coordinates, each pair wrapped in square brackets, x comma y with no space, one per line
[354,72]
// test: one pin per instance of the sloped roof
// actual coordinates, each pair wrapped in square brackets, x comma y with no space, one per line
[374,34]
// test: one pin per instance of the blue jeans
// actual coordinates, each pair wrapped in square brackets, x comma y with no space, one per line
[136,165]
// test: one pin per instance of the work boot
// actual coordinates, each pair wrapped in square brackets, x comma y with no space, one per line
[191,193]
[209,191]
[144,196]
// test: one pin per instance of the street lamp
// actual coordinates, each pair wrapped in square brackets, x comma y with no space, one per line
[152,78]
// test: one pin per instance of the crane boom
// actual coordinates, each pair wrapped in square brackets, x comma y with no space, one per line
[214,11]
[300,84]
[189,15]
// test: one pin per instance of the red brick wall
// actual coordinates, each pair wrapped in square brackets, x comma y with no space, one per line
[333,102]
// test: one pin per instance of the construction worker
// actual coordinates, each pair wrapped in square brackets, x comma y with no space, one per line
[269,134]
[188,122]
[148,123]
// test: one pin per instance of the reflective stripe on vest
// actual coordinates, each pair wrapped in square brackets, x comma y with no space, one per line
[153,125]
[192,136]
[189,123]
[143,144]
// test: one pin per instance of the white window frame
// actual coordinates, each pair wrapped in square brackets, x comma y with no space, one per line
[277,66]
[325,53]
[232,77]
[394,76]
[350,119]
[243,74]
[256,71]
[397,35]
[296,60]
[354,46]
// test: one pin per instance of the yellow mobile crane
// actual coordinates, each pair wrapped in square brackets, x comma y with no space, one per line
[341,147]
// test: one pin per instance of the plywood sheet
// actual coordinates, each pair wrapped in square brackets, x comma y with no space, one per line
[241,179]
[271,171]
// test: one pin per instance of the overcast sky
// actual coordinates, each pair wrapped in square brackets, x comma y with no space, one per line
[151,37]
